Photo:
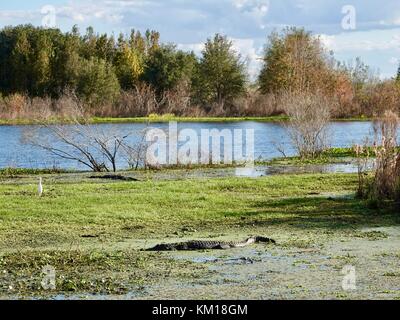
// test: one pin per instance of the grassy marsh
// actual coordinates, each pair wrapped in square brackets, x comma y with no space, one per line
[92,231]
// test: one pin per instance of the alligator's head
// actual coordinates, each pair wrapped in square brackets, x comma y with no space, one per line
[265,240]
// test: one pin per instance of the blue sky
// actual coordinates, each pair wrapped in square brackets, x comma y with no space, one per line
[376,37]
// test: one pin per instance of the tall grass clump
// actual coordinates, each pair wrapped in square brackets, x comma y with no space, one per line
[384,184]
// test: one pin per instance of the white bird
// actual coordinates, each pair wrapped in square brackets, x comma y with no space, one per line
[40,187]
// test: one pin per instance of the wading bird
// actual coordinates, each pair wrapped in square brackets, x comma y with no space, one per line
[40,187]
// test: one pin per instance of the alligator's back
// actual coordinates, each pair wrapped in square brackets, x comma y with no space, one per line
[208,245]
[188,246]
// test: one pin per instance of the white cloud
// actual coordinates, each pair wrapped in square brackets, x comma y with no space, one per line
[248,50]
[90,11]
[197,48]
[13,15]
[363,41]
[257,9]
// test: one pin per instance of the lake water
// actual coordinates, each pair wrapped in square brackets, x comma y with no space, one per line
[15,153]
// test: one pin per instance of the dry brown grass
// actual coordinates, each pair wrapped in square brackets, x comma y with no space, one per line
[376,98]
[387,172]
[385,183]
[17,106]
[21,107]
[363,156]
[142,101]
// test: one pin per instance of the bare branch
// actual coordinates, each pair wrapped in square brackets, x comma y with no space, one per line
[79,141]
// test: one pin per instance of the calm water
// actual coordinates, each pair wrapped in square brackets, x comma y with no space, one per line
[15,153]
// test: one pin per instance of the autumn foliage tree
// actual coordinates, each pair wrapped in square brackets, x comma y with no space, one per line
[295,61]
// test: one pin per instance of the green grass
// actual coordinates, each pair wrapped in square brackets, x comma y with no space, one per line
[110,211]
[12,172]
[349,152]
[91,230]
[157,119]
[340,153]
[330,156]
[167,118]
[97,272]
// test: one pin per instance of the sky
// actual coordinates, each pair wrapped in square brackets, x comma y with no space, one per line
[368,29]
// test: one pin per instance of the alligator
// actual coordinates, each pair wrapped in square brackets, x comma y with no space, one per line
[209,245]
[114,177]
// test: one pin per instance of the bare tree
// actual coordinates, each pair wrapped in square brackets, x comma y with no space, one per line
[135,153]
[308,127]
[92,146]
[280,147]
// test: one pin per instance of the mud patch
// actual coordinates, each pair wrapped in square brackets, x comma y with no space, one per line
[282,272]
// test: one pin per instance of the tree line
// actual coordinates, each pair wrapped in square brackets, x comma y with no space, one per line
[137,75]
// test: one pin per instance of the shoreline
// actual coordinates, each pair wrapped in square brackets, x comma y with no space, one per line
[332,157]
[165,119]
